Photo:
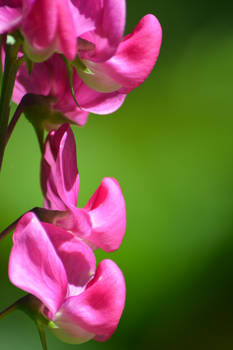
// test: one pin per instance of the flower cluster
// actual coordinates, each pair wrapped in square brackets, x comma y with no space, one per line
[104,65]
[63,59]
[60,270]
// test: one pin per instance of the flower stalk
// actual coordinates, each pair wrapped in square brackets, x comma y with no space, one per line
[8,79]
[29,305]
[8,229]
[41,332]
[15,306]
[45,215]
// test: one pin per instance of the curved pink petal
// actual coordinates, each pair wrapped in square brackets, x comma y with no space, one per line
[12,12]
[52,199]
[82,10]
[49,27]
[59,174]
[98,80]
[64,149]
[77,258]
[75,220]
[48,78]
[77,116]
[69,332]
[98,309]
[10,18]
[38,83]
[136,54]
[39,27]
[67,41]
[107,18]
[97,102]
[107,213]
[133,61]
[34,265]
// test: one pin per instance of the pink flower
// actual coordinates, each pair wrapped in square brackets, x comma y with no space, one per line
[131,63]
[50,78]
[102,221]
[47,26]
[56,25]
[60,272]
[104,72]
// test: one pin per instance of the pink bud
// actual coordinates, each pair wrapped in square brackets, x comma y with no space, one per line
[102,222]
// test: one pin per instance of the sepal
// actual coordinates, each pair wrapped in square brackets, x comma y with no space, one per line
[38,109]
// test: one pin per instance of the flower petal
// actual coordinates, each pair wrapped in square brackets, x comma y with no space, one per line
[49,27]
[12,13]
[77,116]
[39,27]
[108,215]
[84,15]
[60,179]
[136,54]
[67,41]
[77,258]
[34,265]
[97,310]
[98,80]
[97,102]
[75,220]
[10,18]
[108,18]
[38,82]
[133,61]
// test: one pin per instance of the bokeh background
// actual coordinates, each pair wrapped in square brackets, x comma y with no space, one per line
[171,148]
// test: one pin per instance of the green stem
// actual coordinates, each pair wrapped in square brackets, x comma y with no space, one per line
[13,307]
[10,70]
[45,215]
[30,305]
[40,137]
[27,101]
[9,229]
[19,110]
[1,47]
[41,331]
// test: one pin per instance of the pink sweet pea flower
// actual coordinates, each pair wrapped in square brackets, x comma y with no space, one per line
[47,26]
[101,223]
[131,63]
[50,78]
[57,25]
[103,74]
[60,271]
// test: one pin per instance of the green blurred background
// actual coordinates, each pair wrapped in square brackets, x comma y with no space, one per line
[171,148]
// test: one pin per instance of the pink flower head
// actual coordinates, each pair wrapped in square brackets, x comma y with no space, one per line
[50,78]
[47,26]
[56,25]
[106,67]
[101,223]
[130,65]
[60,271]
